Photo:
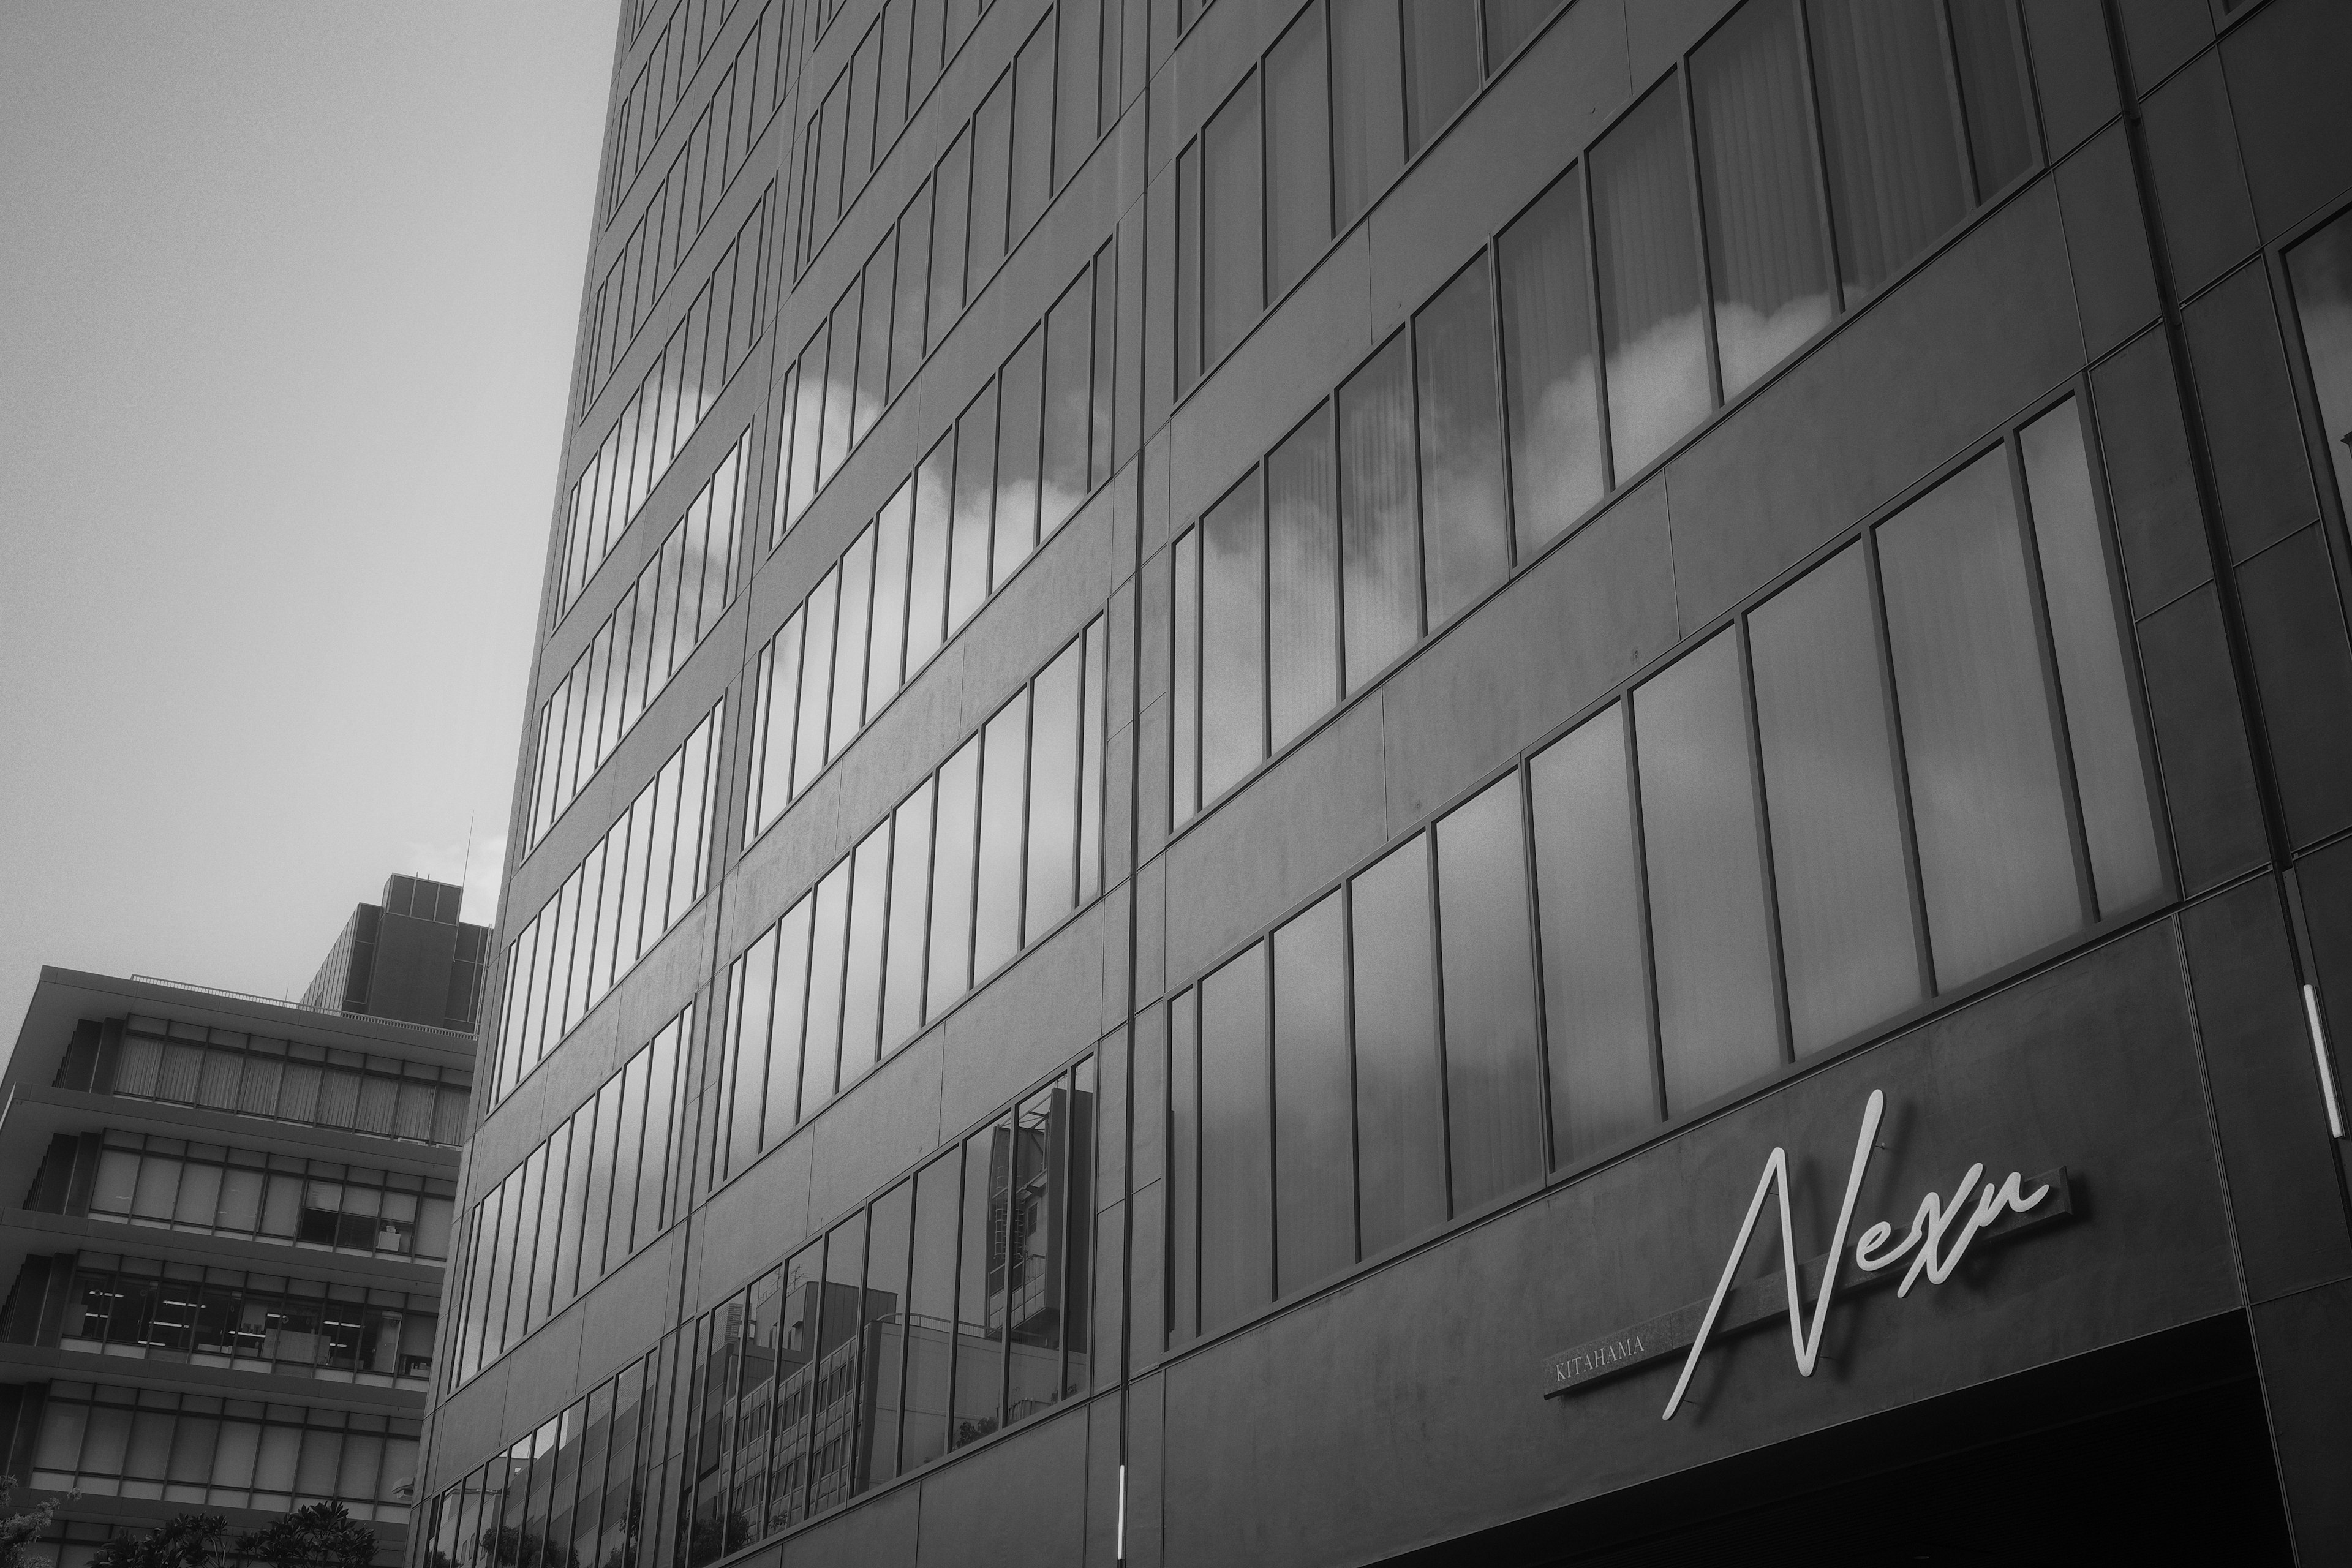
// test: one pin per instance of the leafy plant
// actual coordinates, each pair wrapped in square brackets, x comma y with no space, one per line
[322,1535]
[18,1532]
[188,1541]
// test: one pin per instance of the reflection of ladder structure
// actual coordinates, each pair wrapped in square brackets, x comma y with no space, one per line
[1028,1192]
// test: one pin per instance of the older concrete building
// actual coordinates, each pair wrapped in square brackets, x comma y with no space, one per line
[1246,713]
[227,1261]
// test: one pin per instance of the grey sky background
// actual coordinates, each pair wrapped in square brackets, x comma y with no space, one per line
[287,298]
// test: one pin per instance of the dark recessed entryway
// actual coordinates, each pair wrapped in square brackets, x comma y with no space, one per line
[2155,1452]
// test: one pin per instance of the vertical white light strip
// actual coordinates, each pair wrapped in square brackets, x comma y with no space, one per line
[1122,1555]
[2319,1055]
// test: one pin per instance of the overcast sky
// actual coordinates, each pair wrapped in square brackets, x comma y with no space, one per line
[287,297]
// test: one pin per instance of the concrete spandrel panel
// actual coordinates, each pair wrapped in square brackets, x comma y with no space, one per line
[1296,829]
[1017,1503]
[2159,520]
[1512,142]
[1273,380]
[878,1127]
[751,1224]
[1040,1010]
[2253,428]
[2106,242]
[2284,66]
[1405,1406]
[2201,204]
[879,1533]
[1579,622]
[1942,359]
[2075,68]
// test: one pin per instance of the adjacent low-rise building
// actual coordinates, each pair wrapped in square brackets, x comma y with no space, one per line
[227,1226]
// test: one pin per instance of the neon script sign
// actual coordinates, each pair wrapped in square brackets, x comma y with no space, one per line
[1941,1231]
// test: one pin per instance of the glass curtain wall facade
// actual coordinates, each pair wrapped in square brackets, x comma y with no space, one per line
[1235,703]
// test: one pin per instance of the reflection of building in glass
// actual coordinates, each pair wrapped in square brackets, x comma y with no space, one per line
[228,1250]
[1454,620]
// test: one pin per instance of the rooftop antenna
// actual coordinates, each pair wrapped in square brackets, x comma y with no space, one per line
[467,864]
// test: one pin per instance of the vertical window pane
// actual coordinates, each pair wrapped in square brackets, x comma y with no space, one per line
[874,334]
[748,995]
[1183,1167]
[789,1030]
[1400,1124]
[991,180]
[975,504]
[887,652]
[1510,22]
[1106,333]
[1302,577]
[1588,889]
[1894,161]
[1188,266]
[1021,391]
[1847,943]
[1233,639]
[911,869]
[1441,66]
[828,952]
[2086,635]
[779,722]
[888,1322]
[1092,703]
[817,691]
[849,655]
[913,288]
[1236,1153]
[1367,104]
[979,1291]
[1069,415]
[1464,531]
[1494,1087]
[1552,387]
[930,1311]
[1314,1128]
[1036,1251]
[1184,793]
[951,209]
[840,386]
[927,588]
[837,1393]
[1033,129]
[1991,62]
[861,1005]
[1650,311]
[1054,791]
[1715,1008]
[2320,268]
[808,423]
[1757,178]
[1078,86]
[1378,572]
[996,932]
[795,1391]
[1230,249]
[956,842]
[1298,151]
[1995,856]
